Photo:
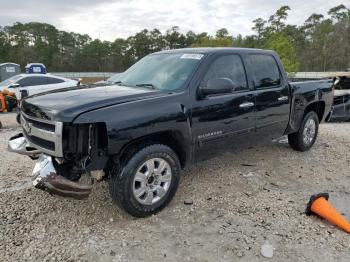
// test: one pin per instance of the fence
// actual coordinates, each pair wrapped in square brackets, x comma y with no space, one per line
[83,74]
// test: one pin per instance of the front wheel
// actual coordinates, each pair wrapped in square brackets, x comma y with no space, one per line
[306,136]
[147,182]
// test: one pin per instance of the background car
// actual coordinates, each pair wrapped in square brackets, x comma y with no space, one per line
[111,80]
[30,84]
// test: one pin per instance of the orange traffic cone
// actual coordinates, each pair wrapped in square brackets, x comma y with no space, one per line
[320,206]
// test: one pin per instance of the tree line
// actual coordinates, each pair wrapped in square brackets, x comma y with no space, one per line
[321,43]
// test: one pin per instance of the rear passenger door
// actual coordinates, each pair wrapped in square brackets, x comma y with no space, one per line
[272,103]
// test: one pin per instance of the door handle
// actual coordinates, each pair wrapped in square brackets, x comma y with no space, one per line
[283,98]
[246,105]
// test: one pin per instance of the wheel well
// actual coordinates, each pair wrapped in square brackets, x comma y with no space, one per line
[172,139]
[317,107]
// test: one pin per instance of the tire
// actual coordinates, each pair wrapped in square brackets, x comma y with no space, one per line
[306,136]
[134,177]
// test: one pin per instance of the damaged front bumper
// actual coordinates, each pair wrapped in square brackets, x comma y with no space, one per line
[19,144]
[46,178]
[45,175]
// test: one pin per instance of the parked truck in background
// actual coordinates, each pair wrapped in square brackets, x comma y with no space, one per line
[165,112]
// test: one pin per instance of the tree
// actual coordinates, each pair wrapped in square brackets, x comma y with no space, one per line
[277,20]
[221,39]
[321,43]
[283,46]
[259,28]
[222,33]
[339,12]
[174,39]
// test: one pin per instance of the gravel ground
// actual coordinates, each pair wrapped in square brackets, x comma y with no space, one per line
[241,200]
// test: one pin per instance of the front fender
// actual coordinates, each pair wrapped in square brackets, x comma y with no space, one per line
[130,121]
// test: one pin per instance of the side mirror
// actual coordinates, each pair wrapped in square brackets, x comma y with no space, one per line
[14,85]
[217,86]
[24,93]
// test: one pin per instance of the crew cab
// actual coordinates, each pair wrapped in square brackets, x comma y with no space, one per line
[165,112]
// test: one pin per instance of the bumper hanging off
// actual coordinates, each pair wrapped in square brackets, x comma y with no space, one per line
[45,176]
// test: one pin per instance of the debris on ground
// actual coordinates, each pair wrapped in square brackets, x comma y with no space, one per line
[267,250]
[188,202]
[249,174]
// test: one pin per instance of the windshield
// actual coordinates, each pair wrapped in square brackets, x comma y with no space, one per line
[114,78]
[10,80]
[161,71]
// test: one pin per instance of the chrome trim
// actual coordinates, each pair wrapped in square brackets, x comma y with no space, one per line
[19,144]
[38,119]
[55,137]
[283,98]
[246,105]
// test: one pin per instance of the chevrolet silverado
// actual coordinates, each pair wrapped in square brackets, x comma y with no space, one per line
[165,112]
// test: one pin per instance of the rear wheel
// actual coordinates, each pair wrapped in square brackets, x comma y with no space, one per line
[147,182]
[306,136]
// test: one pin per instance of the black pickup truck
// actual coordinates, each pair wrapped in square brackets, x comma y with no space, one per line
[165,111]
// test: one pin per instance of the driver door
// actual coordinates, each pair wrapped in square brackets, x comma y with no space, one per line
[224,117]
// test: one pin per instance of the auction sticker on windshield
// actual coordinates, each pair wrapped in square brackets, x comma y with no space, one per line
[192,56]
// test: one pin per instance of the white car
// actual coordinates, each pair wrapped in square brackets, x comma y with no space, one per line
[30,84]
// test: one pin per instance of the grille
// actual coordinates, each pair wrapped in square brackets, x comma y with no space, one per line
[40,125]
[40,142]
[43,134]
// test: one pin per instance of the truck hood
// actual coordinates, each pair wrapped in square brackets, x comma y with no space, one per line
[66,104]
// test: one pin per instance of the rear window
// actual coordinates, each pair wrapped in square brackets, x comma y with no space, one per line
[53,80]
[265,71]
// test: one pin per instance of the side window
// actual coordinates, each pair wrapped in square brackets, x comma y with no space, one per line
[32,81]
[39,80]
[265,71]
[53,80]
[26,81]
[228,66]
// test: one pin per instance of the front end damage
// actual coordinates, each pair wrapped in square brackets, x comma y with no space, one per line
[84,153]
[45,177]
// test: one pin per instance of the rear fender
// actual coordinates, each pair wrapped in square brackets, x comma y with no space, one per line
[306,97]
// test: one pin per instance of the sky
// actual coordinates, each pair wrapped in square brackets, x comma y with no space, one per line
[111,19]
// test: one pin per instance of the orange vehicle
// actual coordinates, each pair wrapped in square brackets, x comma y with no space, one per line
[8,101]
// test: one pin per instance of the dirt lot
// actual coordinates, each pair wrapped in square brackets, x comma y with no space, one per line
[91,80]
[240,201]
